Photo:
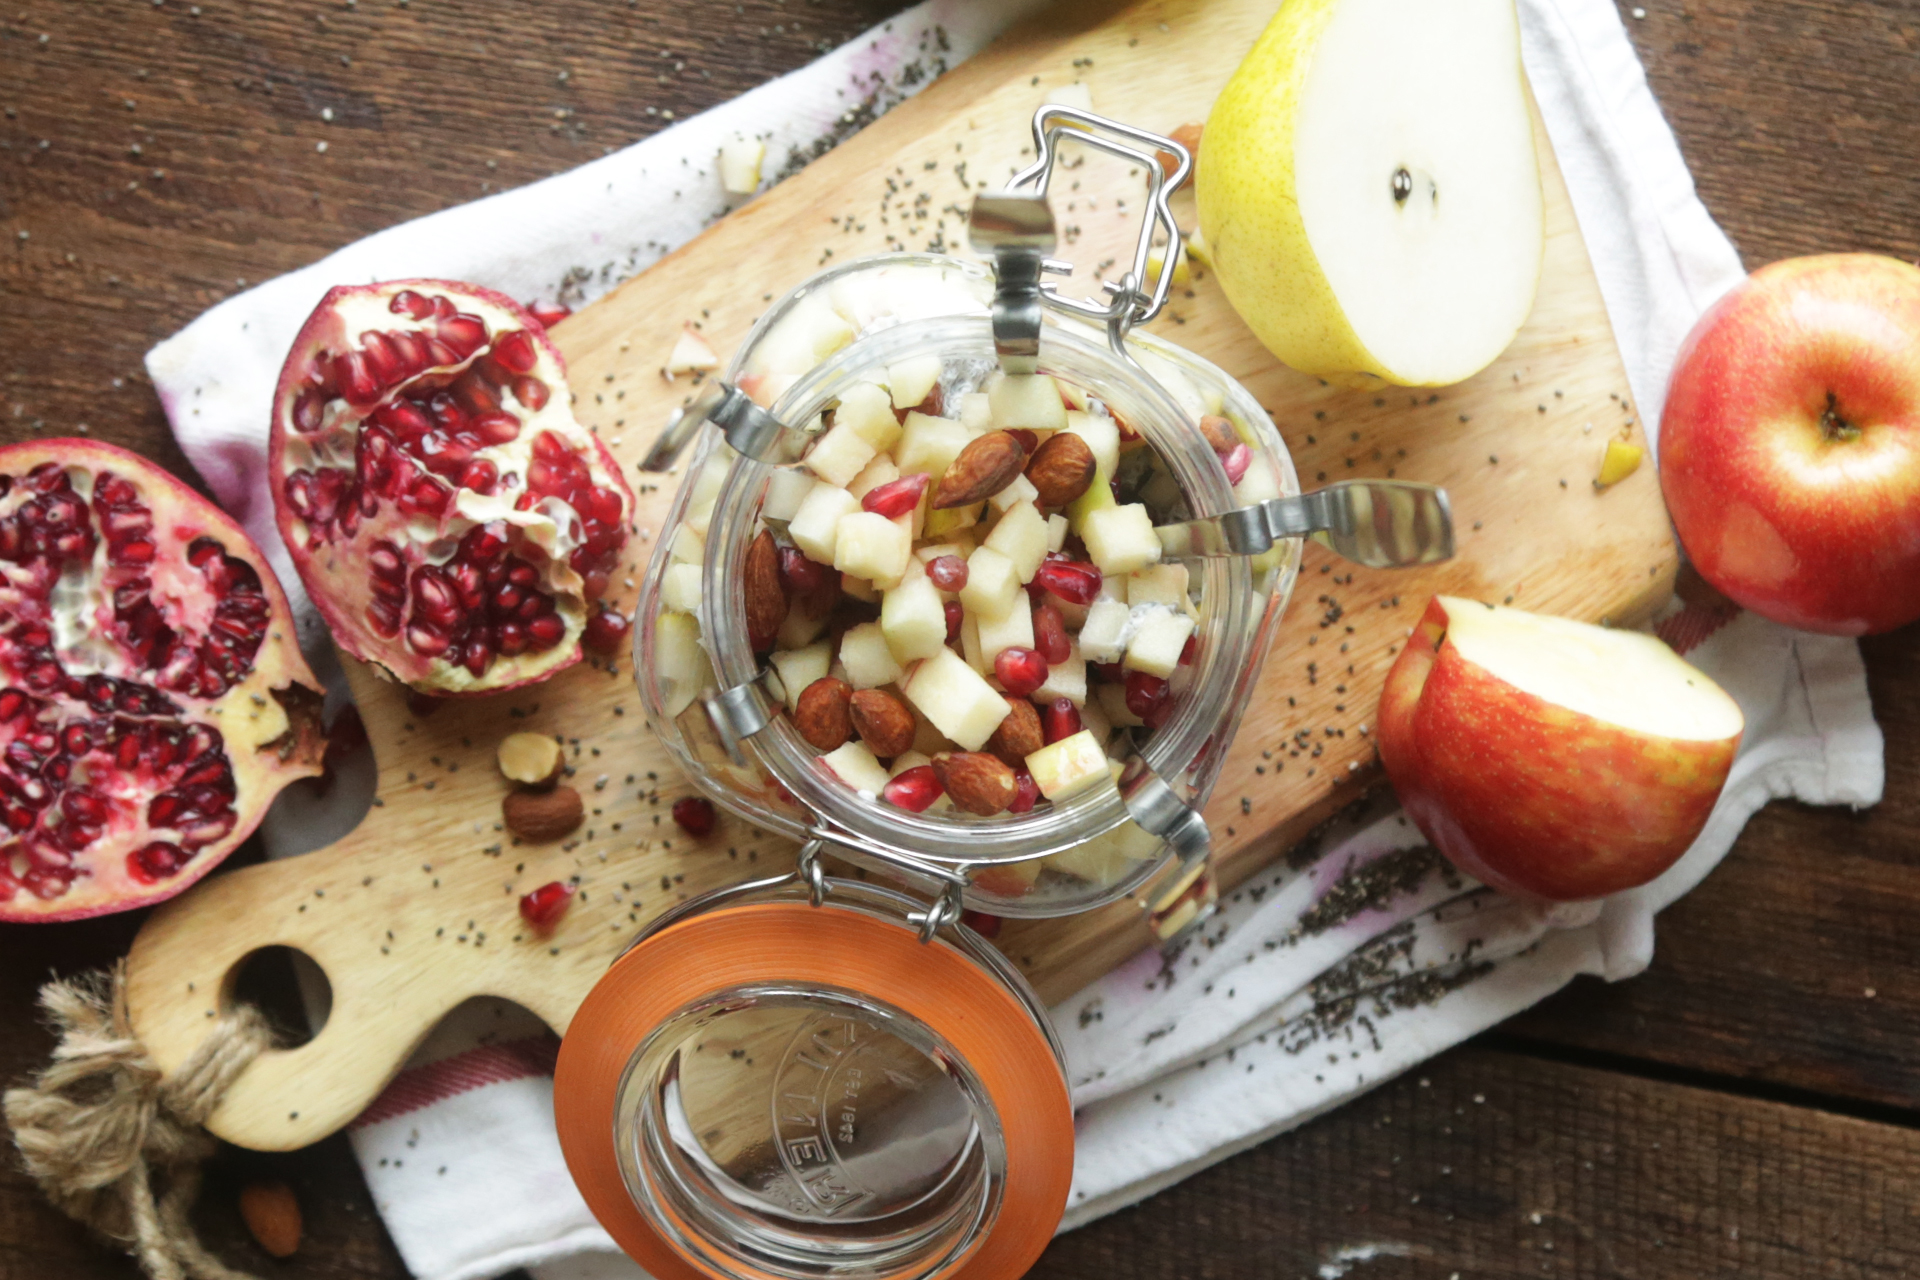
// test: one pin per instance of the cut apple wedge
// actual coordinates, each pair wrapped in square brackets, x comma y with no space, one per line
[1552,758]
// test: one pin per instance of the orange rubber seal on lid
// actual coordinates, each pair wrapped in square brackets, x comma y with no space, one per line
[794,943]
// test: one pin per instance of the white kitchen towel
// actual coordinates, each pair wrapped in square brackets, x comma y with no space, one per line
[1320,978]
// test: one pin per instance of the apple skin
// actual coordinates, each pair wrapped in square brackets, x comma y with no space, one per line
[1529,797]
[1790,443]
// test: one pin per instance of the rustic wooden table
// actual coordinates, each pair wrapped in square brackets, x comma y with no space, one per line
[1746,1108]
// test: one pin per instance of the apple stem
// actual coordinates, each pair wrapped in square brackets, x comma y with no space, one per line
[1835,428]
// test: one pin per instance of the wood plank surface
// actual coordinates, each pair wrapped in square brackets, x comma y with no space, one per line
[1797,120]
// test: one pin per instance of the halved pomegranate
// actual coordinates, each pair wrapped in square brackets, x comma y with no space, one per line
[153,700]
[450,519]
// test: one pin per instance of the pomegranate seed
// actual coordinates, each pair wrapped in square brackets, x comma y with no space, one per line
[545,631]
[530,392]
[606,631]
[496,428]
[1029,441]
[515,351]
[1020,671]
[896,497]
[956,620]
[1188,650]
[913,789]
[464,333]
[544,906]
[981,923]
[1060,719]
[1146,696]
[1073,582]
[800,576]
[1050,633]
[949,573]
[1236,461]
[356,379]
[549,313]
[695,815]
[1026,792]
[1111,672]
[157,861]
[410,304]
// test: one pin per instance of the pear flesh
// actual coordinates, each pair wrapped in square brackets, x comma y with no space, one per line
[1369,190]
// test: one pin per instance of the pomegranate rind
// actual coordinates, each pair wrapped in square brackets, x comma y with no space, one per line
[336,569]
[268,722]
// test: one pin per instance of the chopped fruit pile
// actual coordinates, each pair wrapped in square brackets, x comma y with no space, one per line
[960,596]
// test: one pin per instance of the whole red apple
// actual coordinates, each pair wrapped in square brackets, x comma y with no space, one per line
[1790,443]
[1552,758]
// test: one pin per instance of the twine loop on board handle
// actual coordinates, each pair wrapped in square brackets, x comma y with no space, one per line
[113,1142]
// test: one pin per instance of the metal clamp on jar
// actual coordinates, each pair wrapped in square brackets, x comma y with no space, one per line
[818,1076]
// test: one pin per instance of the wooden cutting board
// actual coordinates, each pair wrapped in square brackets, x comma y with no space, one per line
[416,910]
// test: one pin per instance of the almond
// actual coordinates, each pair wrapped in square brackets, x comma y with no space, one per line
[766,602]
[532,758]
[273,1215]
[1220,434]
[1188,136]
[1019,735]
[976,781]
[823,713]
[1061,469]
[540,816]
[883,721]
[986,466]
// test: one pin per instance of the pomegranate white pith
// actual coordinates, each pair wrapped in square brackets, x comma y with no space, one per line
[152,698]
[450,519]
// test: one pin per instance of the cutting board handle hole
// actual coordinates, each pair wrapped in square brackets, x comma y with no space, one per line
[285,984]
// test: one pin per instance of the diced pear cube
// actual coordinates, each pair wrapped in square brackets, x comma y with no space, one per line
[868,410]
[706,489]
[1160,584]
[1104,635]
[1094,720]
[689,547]
[785,492]
[945,523]
[1098,497]
[1015,631]
[960,544]
[1112,699]
[680,664]
[1121,539]
[856,765]
[868,658]
[1057,531]
[740,164]
[839,455]
[1021,536]
[976,412]
[1065,680]
[959,702]
[914,619]
[993,585]
[868,545]
[700,516]
[799,630]
[1027,400]
[1157,640]
[1069,766]
[680,588]
[912,380]
[876,473]
[1102,435]
[929,444]
[798,668]
[815,527]
[1258,485]
[1075,396]
[907,760]
[1021,490]
[1107,858]
[970,645]
[859,589]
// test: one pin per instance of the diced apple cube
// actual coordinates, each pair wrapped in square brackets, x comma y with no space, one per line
[740,164]
[868,410]
[970,645]
[680,664]
[912,380]
[689,547]
[868,658]
[1160,584]
[1102,435]
[680,588]
[1112,699]
[1014,631]
[876,473]
[1258,485]
[1021,490]
[815,527]
[1157,640]
[1021,536]
[1098,497]
[1108,858]
[706,489]
[1121,539]
[785,492]
[856,765]
[961,544]
[1065,680]
[839,455]
[976,412]
[1094,720]
[1069,766]
[993,585]
[868,545]
[798,668]
[1027,400]
[1104,635]
[799,630]
[929,444]
[1057,531]
[859,589]
[959,702]
[943,524]
[914,619]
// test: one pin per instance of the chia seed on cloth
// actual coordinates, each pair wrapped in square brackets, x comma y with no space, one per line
[1352,960]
